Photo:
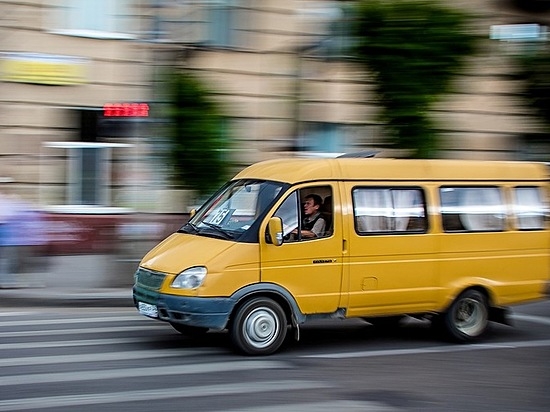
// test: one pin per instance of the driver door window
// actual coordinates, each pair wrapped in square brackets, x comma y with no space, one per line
[301,211]
[288,212]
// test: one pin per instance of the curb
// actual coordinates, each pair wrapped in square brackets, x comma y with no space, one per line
[27,297]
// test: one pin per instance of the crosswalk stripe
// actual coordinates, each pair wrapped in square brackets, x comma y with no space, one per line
[54,332]
[71,343]
[101,357]
[328,406]
[535,319]
[11,314]
[433,349]
[213,367]
[148,395]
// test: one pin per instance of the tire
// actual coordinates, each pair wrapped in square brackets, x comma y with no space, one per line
[468,317]
[259,327]
[189,331]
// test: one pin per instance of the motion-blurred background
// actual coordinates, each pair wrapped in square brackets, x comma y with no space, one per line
[119,116]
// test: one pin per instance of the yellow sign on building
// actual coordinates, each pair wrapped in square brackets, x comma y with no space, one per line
[40,68]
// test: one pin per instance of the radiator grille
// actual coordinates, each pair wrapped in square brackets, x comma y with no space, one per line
[152,280]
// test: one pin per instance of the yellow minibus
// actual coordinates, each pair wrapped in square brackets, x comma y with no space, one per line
[292,240]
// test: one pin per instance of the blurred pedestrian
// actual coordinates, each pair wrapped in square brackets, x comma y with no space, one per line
[20,232]
[7,250]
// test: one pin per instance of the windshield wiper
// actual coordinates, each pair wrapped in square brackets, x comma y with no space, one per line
[191,225]
[224,232]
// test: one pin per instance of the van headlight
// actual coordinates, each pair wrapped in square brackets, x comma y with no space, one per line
[190,278]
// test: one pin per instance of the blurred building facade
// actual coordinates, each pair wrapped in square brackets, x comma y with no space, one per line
[80,85]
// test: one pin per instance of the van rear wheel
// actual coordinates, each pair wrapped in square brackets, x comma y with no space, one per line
[468,317]
[259,327]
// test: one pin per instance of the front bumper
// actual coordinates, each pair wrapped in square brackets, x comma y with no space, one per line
[211,313]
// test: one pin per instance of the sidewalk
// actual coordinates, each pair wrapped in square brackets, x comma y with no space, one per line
[78,281]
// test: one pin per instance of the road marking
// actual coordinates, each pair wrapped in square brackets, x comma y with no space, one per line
[17,313]
[168,393]
[189,369]
[102,357]
[329,406]
[433,349]
[54,332]
[72,343]
[530,318]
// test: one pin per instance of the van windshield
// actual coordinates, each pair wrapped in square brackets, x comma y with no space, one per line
[235,210]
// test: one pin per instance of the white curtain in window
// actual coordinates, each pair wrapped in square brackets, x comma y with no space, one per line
[407,203]
[373,209]
[382,210]
[481,209]
[528,208]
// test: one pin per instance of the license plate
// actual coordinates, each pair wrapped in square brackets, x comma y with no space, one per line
[148,310]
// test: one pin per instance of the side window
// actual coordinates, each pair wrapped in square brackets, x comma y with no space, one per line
[288,212]
[529,208]
[472,209]
[307,214]
[389,210]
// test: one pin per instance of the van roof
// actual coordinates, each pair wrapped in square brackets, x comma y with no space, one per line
[294,170]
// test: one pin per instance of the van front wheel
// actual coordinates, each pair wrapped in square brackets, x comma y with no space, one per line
[468,317]
[259,327]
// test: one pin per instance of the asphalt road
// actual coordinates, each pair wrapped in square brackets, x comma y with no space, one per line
[92,359]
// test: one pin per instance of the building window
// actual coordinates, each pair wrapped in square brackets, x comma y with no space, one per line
[322,137]
[226,25]
[89,167]
[93,18]
[338,43]
[88,180]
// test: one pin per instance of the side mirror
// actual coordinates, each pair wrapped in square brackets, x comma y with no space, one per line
[275,230]
[192,213]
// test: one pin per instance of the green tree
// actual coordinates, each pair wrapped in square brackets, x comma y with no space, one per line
[197,145]
[413,49]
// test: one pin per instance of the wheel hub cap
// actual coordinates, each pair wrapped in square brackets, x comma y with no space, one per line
[261,327]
